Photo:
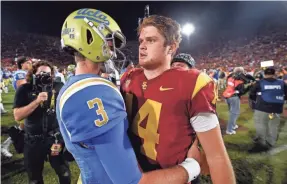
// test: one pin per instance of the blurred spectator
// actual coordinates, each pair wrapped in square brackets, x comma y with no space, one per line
[59,76]
[221,79]
[284,70]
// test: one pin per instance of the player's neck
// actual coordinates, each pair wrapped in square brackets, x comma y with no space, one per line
[80,71]
[84,68]
[153,73]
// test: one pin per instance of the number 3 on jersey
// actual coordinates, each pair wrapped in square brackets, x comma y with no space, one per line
[101,111]
[150,109]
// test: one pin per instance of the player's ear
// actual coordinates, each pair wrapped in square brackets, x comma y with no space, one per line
[172,48]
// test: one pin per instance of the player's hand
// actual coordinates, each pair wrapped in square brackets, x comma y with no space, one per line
[43,96]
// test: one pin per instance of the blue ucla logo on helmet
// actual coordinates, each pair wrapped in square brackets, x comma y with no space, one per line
[92,15]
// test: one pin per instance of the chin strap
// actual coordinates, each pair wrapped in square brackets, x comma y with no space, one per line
[113,72]
[118,79]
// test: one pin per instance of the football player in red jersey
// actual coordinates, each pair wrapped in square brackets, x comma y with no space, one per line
[166,106]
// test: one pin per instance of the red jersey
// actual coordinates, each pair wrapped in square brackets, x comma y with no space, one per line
[159,111]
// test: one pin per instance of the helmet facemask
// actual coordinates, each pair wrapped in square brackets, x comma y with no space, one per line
[118,41]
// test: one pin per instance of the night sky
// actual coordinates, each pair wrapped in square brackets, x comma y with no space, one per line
[211,19]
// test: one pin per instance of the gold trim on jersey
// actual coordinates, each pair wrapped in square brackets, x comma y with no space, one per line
[201,81]
[77,86]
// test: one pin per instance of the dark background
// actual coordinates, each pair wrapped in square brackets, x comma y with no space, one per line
[212,20]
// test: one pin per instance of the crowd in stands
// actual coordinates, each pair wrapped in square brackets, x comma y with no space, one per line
[34,46]
[248,53]
[238,52]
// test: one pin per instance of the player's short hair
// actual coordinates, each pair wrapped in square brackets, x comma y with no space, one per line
[79,56]
[167,27]
[21,60]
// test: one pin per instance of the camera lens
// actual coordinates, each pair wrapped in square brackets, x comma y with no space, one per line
[46,79]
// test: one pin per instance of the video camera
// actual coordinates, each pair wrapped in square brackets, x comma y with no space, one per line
[43,81]
[246,78]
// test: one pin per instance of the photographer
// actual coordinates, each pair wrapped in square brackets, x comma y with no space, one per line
[269,95]
[35,102]
[237,85]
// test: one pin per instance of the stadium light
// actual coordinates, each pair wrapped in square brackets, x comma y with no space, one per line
[188,29]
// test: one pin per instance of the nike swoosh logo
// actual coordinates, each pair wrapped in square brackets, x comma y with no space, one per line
[164,89]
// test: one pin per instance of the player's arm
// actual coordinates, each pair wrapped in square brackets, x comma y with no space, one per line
[173,175]
[114,150]
[206,125]
[108,145]
[217,158]
[176,174]
[121,164]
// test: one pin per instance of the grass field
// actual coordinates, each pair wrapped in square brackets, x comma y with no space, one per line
[263,168]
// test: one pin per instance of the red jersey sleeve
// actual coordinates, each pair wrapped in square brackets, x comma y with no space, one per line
[125,78]
[203,95]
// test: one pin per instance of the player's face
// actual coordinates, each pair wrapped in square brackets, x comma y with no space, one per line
[27,65]
[110,44]
[152,52]
[180,65]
